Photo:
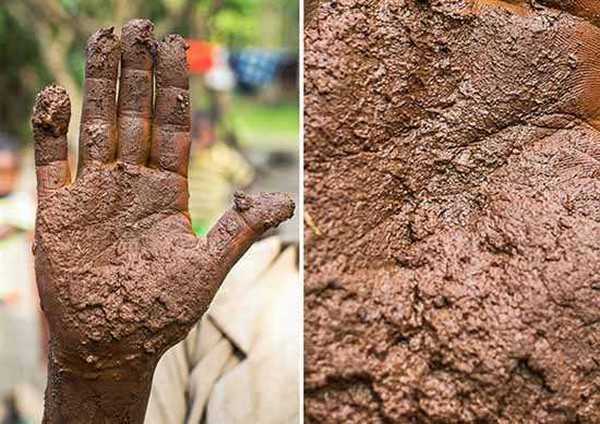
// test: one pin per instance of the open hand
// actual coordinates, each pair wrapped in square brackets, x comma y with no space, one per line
[121,275]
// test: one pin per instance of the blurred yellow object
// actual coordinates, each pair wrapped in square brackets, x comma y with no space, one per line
[215,173]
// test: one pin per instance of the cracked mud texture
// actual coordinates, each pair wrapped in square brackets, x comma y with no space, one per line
[452,163]
[121,275]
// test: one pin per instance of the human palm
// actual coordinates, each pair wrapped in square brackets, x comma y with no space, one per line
[121,275]
[451,278]
[118,264]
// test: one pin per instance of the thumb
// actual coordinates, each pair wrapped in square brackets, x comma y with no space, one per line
[243,224]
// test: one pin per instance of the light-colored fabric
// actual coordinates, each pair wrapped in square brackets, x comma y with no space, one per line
[263,388]
[21,373]
[240,364]
[20,338]
[18,211]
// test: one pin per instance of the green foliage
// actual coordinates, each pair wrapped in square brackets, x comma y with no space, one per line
[154,10]
[266,126]
[233,28]
[76,62]
[272,23]
[21,73]
[235,23]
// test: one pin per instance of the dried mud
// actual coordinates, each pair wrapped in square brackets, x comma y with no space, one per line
[121,275]
[452,184]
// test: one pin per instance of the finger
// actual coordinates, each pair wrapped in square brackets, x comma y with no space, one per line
[243,224]
[135,91]
[98,135]
[171,127]
[50,121]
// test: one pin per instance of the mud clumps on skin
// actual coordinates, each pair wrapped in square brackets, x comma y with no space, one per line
[103,48]
[137,39]
[170,52]
[241,201]
[50,121]
[52,111]
[451,168]
[264,210]
[120,273]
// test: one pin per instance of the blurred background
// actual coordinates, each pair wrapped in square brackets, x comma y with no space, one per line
[243,60]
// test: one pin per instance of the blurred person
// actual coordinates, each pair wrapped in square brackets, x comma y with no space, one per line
[20,339]
[216,171]
[239,364]
[23,405]
[9,413]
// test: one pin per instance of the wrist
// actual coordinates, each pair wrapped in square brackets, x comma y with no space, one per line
[110,365]
[76,394]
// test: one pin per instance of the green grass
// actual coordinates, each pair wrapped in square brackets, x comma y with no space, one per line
[266,127]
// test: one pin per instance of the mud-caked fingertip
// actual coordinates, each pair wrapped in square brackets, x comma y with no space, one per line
[50,122]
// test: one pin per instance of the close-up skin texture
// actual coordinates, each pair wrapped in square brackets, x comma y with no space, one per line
[452,204]
[121,275]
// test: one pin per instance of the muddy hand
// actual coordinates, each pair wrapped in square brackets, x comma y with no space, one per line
[121,275]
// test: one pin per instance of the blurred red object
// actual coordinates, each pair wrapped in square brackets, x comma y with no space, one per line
[200,56]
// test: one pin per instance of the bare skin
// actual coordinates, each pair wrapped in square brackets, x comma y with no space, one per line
[120,273]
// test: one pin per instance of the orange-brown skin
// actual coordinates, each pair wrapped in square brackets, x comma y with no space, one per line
[587,9]
[121,275]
